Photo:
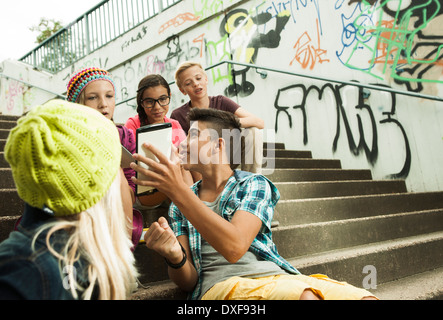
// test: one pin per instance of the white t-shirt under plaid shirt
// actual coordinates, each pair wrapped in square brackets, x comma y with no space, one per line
[244,191]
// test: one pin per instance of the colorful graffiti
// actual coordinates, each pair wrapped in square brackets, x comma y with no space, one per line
[242,31]
[301,93]
[17,96]
[14,96]
[308,53]
[396,41]
[178,21]
[401,39]
[393,43]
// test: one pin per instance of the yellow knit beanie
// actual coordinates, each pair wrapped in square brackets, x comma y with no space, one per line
[63,156]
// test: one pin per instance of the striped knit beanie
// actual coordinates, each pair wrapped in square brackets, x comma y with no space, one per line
[64,157]
[82,78]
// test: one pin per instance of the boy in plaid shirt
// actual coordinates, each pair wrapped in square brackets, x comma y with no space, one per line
[218,244]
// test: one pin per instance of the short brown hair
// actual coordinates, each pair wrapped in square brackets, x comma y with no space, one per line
[221,121]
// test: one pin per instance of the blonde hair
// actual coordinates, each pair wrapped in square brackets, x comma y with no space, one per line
[184,66]
[81,98]
[98,238]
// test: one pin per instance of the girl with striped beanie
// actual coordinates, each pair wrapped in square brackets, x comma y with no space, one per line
[95,88]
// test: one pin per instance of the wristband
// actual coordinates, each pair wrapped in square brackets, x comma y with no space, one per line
[178,265]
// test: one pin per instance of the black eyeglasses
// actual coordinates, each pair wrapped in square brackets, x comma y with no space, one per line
[149,103]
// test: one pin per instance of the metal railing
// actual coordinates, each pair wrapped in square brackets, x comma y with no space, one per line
[262,71]
[91,31]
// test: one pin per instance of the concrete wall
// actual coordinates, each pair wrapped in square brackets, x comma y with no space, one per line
[393,44]
[21,87]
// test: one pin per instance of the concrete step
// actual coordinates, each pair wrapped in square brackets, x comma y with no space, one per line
[299,175]
[162,290]
[12,209]
[320,189]
[294,163]
[304,211]
[14,205]
[6,180]
[396,262]
[299,240]
[278,175]
[313,238]
[273,145]
[3,163]
[422,286]
[4,133]
[5,124]
[288,191]
[7,224]
[283,153]
[392,259]
[332,221]
[4,117]
[152,215]
[151,266]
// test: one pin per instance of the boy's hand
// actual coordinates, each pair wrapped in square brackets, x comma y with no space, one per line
[161,239]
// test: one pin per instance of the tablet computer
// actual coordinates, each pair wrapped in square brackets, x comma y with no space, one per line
[126,158]
[160,136]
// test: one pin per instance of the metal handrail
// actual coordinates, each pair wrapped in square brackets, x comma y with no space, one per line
[351,83]
[63,30]
[259,68]
[91,31]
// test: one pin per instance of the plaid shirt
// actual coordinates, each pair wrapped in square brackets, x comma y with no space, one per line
[243,191]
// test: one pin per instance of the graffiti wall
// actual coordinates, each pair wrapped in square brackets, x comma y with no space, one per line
[387,44]
[316,54]
[21,88]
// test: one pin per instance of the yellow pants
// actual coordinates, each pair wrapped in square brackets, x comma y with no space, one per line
[284,287]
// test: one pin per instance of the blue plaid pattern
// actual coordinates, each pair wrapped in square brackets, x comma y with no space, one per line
[244,191]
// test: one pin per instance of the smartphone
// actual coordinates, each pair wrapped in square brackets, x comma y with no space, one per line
[160,136]
[126,158]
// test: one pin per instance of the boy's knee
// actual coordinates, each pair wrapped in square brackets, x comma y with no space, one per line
[308,294]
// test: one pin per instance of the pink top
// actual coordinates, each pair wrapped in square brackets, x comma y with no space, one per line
[178,135]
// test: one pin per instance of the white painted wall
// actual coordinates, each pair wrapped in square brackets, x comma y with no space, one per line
[337,39]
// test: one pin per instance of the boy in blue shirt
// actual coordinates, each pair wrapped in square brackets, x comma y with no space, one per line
[219,242]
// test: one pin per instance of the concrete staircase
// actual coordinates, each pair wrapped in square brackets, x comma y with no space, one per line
[339,222]
[11,206]
[329,220]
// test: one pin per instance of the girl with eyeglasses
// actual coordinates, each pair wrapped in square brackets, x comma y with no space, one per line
[153,98]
